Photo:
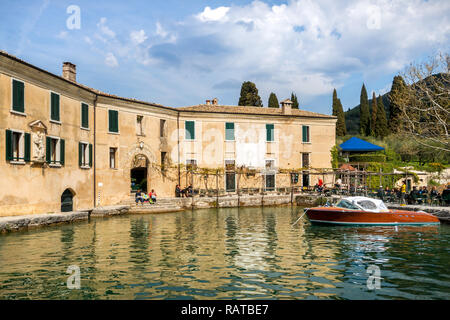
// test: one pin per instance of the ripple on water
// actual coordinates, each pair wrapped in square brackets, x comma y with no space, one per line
[246,253]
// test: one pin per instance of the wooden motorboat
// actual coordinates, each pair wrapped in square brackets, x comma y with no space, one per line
[367,211]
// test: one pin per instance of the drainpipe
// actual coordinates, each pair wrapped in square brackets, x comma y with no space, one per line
[94,151]
[178,146]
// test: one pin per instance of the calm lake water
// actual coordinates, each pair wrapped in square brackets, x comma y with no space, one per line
[247,253]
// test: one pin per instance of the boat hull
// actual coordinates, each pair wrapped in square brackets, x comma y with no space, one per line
[339,216]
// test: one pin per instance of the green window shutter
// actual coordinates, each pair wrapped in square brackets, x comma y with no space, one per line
[8,145]
[113,121]
[54,112]
[305,135]
[84,115]
[190,130]
[27,147]
[269,132]
[18,96]
[62,151]
[47,149]
[229,131]
[80,151]
[90,155]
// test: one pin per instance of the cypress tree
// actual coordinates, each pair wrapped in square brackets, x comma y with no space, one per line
[294,101]
[335,104]
[341,129]
[381,129]
[273,101]
[397,93]
[373,121]
[364,113]
[249,95]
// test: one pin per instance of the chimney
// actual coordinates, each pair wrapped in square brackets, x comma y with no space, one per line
[286,106]
[215,101]
[69,71]
[208,102]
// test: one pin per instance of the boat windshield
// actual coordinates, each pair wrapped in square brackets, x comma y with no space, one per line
[346,205]
[366,204]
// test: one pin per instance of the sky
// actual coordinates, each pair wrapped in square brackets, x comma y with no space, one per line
[180,53]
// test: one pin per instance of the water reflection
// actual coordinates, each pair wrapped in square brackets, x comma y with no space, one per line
[244,253]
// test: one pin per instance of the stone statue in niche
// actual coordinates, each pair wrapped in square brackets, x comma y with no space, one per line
[38,132]
[38,146]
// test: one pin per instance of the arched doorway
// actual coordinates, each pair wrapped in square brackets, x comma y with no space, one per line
[139,173]
[67,201]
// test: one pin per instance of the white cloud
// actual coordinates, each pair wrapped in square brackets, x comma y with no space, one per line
[217,14]
[104,29]
[138,37]
[110,60]
[62,34]
[160,30]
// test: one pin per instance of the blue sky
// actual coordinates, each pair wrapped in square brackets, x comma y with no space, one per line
[180,53]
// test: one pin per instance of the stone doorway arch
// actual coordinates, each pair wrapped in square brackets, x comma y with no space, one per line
[67,200]
[139,173]
[140,159]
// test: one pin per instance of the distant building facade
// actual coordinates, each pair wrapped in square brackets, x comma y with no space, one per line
[65,146]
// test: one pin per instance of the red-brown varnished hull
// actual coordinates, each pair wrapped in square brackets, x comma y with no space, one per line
[333,215]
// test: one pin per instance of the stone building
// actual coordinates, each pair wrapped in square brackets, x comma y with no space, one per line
[65,146]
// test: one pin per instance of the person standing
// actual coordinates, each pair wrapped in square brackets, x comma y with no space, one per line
[403,192]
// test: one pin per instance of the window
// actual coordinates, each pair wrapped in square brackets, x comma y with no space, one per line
[54,106]
[229,131]
[270,175]
[347,205]
[84,116]
[17,146]
[305,134]
[305,160]
[113,121]
[18,96]
[162,128]
[190,130]
[305,179]
[112,158]
[191,165]
[230,176]
[270,132]
[85,155]
[163,161]
[139,127]
[55,151]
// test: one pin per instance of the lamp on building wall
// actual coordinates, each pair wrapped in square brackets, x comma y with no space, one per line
[141,145]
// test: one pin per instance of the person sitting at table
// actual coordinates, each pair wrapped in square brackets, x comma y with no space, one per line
[177,191]
[413,195]
[380,193]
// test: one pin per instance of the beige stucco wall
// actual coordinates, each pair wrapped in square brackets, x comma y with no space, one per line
[36,188]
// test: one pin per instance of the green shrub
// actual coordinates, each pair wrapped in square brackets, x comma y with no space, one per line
[370,157]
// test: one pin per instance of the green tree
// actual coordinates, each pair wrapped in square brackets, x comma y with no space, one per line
[335,104]
[364,113]
[273,101]
[249,95]
[396,95]
[341,129]
[373,120]
[294,100]
[338,111]
[381,127]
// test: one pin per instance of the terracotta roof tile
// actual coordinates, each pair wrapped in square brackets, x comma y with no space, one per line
[252,110]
